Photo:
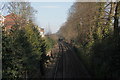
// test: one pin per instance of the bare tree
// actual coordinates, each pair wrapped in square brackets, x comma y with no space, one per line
[22,12]
[116,20]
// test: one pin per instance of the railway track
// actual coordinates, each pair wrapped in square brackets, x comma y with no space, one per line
[58,60]
[68,65]
[63,47]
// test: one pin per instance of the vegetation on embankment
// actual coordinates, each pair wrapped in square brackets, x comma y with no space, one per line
[102,60]
[50,43]
[94,29]
[23,53]
[23,48]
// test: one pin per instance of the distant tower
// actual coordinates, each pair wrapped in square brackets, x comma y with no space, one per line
[49,30]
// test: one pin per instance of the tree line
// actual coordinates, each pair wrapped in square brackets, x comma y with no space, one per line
[23,48]
[94,27]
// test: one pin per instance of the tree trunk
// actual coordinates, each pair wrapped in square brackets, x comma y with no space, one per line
[116,20]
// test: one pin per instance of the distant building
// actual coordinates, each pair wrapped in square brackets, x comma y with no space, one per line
[12,19]
[9,22]
[2,19]
[41,31]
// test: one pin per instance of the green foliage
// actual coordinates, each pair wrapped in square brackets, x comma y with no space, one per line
[22,52]
[50,43]
[105,58]
[91,26]
[11,65]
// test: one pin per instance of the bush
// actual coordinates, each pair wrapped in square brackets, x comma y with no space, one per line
[22,53]
[106,58]
[50,43]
